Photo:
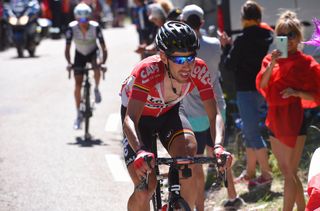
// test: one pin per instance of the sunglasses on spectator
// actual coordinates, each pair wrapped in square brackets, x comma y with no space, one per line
[183,59]
[290,35]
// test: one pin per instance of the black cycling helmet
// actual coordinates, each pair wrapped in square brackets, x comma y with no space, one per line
[175,36]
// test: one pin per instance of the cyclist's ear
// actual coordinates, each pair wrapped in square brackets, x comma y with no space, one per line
[163,58]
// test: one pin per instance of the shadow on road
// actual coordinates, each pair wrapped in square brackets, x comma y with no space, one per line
[26,57]
[260,195]
[80,141]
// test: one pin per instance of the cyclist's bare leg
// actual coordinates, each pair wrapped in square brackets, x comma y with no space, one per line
[186,145]
[262,157]
[251,162]
[285,156]
[199,176]
[77,90]
[97,74]
[232,194]
[140,200]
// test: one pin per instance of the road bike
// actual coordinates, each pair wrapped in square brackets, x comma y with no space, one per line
[86,105]
[175,201]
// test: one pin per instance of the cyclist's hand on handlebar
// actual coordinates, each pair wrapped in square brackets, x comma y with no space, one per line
[69,67]
[103,67]
[224,158]
[141,165]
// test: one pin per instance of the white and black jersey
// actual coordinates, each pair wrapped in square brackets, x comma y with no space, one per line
[85,43]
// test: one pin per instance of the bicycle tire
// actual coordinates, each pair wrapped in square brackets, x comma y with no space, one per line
[180,205]
[156,200]
[87,112]
[156,197]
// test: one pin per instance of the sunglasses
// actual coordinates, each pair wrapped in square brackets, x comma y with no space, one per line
[290,35]
[183,59]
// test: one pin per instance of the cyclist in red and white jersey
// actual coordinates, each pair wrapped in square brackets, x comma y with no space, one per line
[151,97]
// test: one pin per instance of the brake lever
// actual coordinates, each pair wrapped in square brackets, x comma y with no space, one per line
[224,178]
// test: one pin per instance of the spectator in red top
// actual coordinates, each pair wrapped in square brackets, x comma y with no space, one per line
[289,85]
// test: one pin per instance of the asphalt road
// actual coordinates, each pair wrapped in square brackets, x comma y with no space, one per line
[45,164]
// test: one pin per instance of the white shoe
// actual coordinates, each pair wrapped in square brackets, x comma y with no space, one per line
[97,95]
[77,123]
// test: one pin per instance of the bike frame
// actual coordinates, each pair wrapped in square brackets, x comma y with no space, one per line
[87,111]
[177,164]
[86,108]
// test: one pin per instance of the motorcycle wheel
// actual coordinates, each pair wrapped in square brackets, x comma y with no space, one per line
[20,51]
[31,52]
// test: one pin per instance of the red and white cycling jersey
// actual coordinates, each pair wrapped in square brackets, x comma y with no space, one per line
[146,84]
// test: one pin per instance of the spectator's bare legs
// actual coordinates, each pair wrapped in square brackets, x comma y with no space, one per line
[251,163]
[262,157]
[186,145]
[288,161]
[300,201]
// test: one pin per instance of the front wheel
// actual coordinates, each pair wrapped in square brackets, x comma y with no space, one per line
[87,111]
[20,51]
[180,205]
[32,51]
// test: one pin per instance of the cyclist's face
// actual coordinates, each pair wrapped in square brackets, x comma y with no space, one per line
[181,65]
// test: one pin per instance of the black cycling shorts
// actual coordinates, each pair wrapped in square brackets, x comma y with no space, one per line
[81,60]
[203,139]
[166,127]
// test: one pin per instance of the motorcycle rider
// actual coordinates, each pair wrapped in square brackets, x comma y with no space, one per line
[23,35]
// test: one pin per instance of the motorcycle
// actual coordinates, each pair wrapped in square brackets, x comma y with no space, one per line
[25,33]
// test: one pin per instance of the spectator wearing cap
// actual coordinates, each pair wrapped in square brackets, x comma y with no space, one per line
[174,14]
[157,14]
[210,51]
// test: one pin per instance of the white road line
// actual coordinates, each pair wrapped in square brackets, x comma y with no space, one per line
[117,168]
[113,123]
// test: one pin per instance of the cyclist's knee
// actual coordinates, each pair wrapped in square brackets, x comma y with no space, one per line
[136,181]
[142,196]
[183,145]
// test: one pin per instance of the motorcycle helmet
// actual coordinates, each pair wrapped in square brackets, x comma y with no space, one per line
[82,12]
[175,36]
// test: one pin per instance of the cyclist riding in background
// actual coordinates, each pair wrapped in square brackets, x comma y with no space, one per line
[151,98]
[85,34]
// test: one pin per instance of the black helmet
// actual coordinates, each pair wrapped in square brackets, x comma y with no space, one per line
[175,36]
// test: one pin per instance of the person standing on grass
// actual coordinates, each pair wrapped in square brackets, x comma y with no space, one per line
[289,86]
[244,57]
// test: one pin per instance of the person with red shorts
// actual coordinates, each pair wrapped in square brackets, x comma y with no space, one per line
[289,85]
